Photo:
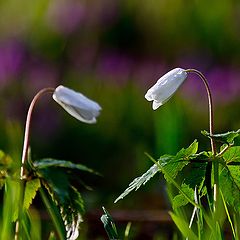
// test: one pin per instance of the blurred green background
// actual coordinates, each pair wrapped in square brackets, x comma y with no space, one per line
[113,51]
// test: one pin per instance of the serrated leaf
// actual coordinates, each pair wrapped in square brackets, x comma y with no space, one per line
[174,164]
[66,197]
[49,162]
[230,185]
[139,181]
[232,154]
[185,153]
[109,225]
[180,200]
[171,164]
[31,189]
[227,137]
[195,174]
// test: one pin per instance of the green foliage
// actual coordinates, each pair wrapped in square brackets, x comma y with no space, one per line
[180,199]
[232,155]
[170,165]
[51,174]
[174,164]
[54,175]
[52,236]
[186,171]
[183,227]
[50,162]
[109,225]
[5,166]
[230,187]
[139,181]
[227,138]
[65,196]
[31,189]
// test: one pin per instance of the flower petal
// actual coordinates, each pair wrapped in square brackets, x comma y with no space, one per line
[76,104]
[165,87]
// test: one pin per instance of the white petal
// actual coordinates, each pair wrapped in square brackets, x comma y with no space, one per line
[76,104]
[156,105]
[165,87]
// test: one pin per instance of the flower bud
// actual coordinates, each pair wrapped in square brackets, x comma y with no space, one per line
[76,104]
[165,87]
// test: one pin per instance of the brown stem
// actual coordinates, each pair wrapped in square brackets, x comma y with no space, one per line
[210,105]
[26,146]
[27,126]
[213,145]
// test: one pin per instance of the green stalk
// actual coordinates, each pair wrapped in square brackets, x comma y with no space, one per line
[216,182]
[228,215]
[54,217]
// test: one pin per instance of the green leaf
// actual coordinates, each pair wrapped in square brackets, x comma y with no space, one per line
[232,154]
[183,227]
[227,138]
[139,181]
[31,189]
[180,200]
[230,185]
[185,153]
[171,164]
[109,225]
[194,174]
[66,197]
[174,164]
[49,162]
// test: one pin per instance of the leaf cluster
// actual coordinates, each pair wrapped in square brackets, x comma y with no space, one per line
[54,176]
[193,175]
[190,169]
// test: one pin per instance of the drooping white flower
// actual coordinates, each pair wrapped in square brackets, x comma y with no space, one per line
[165,87]
[76,104]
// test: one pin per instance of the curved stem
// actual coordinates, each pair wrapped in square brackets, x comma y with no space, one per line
[215,162]
[25,151]
[27,126]
[210,105]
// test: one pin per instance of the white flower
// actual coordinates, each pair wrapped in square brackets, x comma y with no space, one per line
[76,104]
[165,87]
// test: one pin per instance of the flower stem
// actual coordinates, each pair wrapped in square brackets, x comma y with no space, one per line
[27,126]
[210,105]
[211,130]
[25,154]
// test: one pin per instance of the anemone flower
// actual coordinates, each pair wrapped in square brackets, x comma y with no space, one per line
[76,104]
[165,87]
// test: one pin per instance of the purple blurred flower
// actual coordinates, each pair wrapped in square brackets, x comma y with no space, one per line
[101,14]
[40,75]
[146,71]
[66,16]
[11,61]
[115,67]
[224,80]
[225,83]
